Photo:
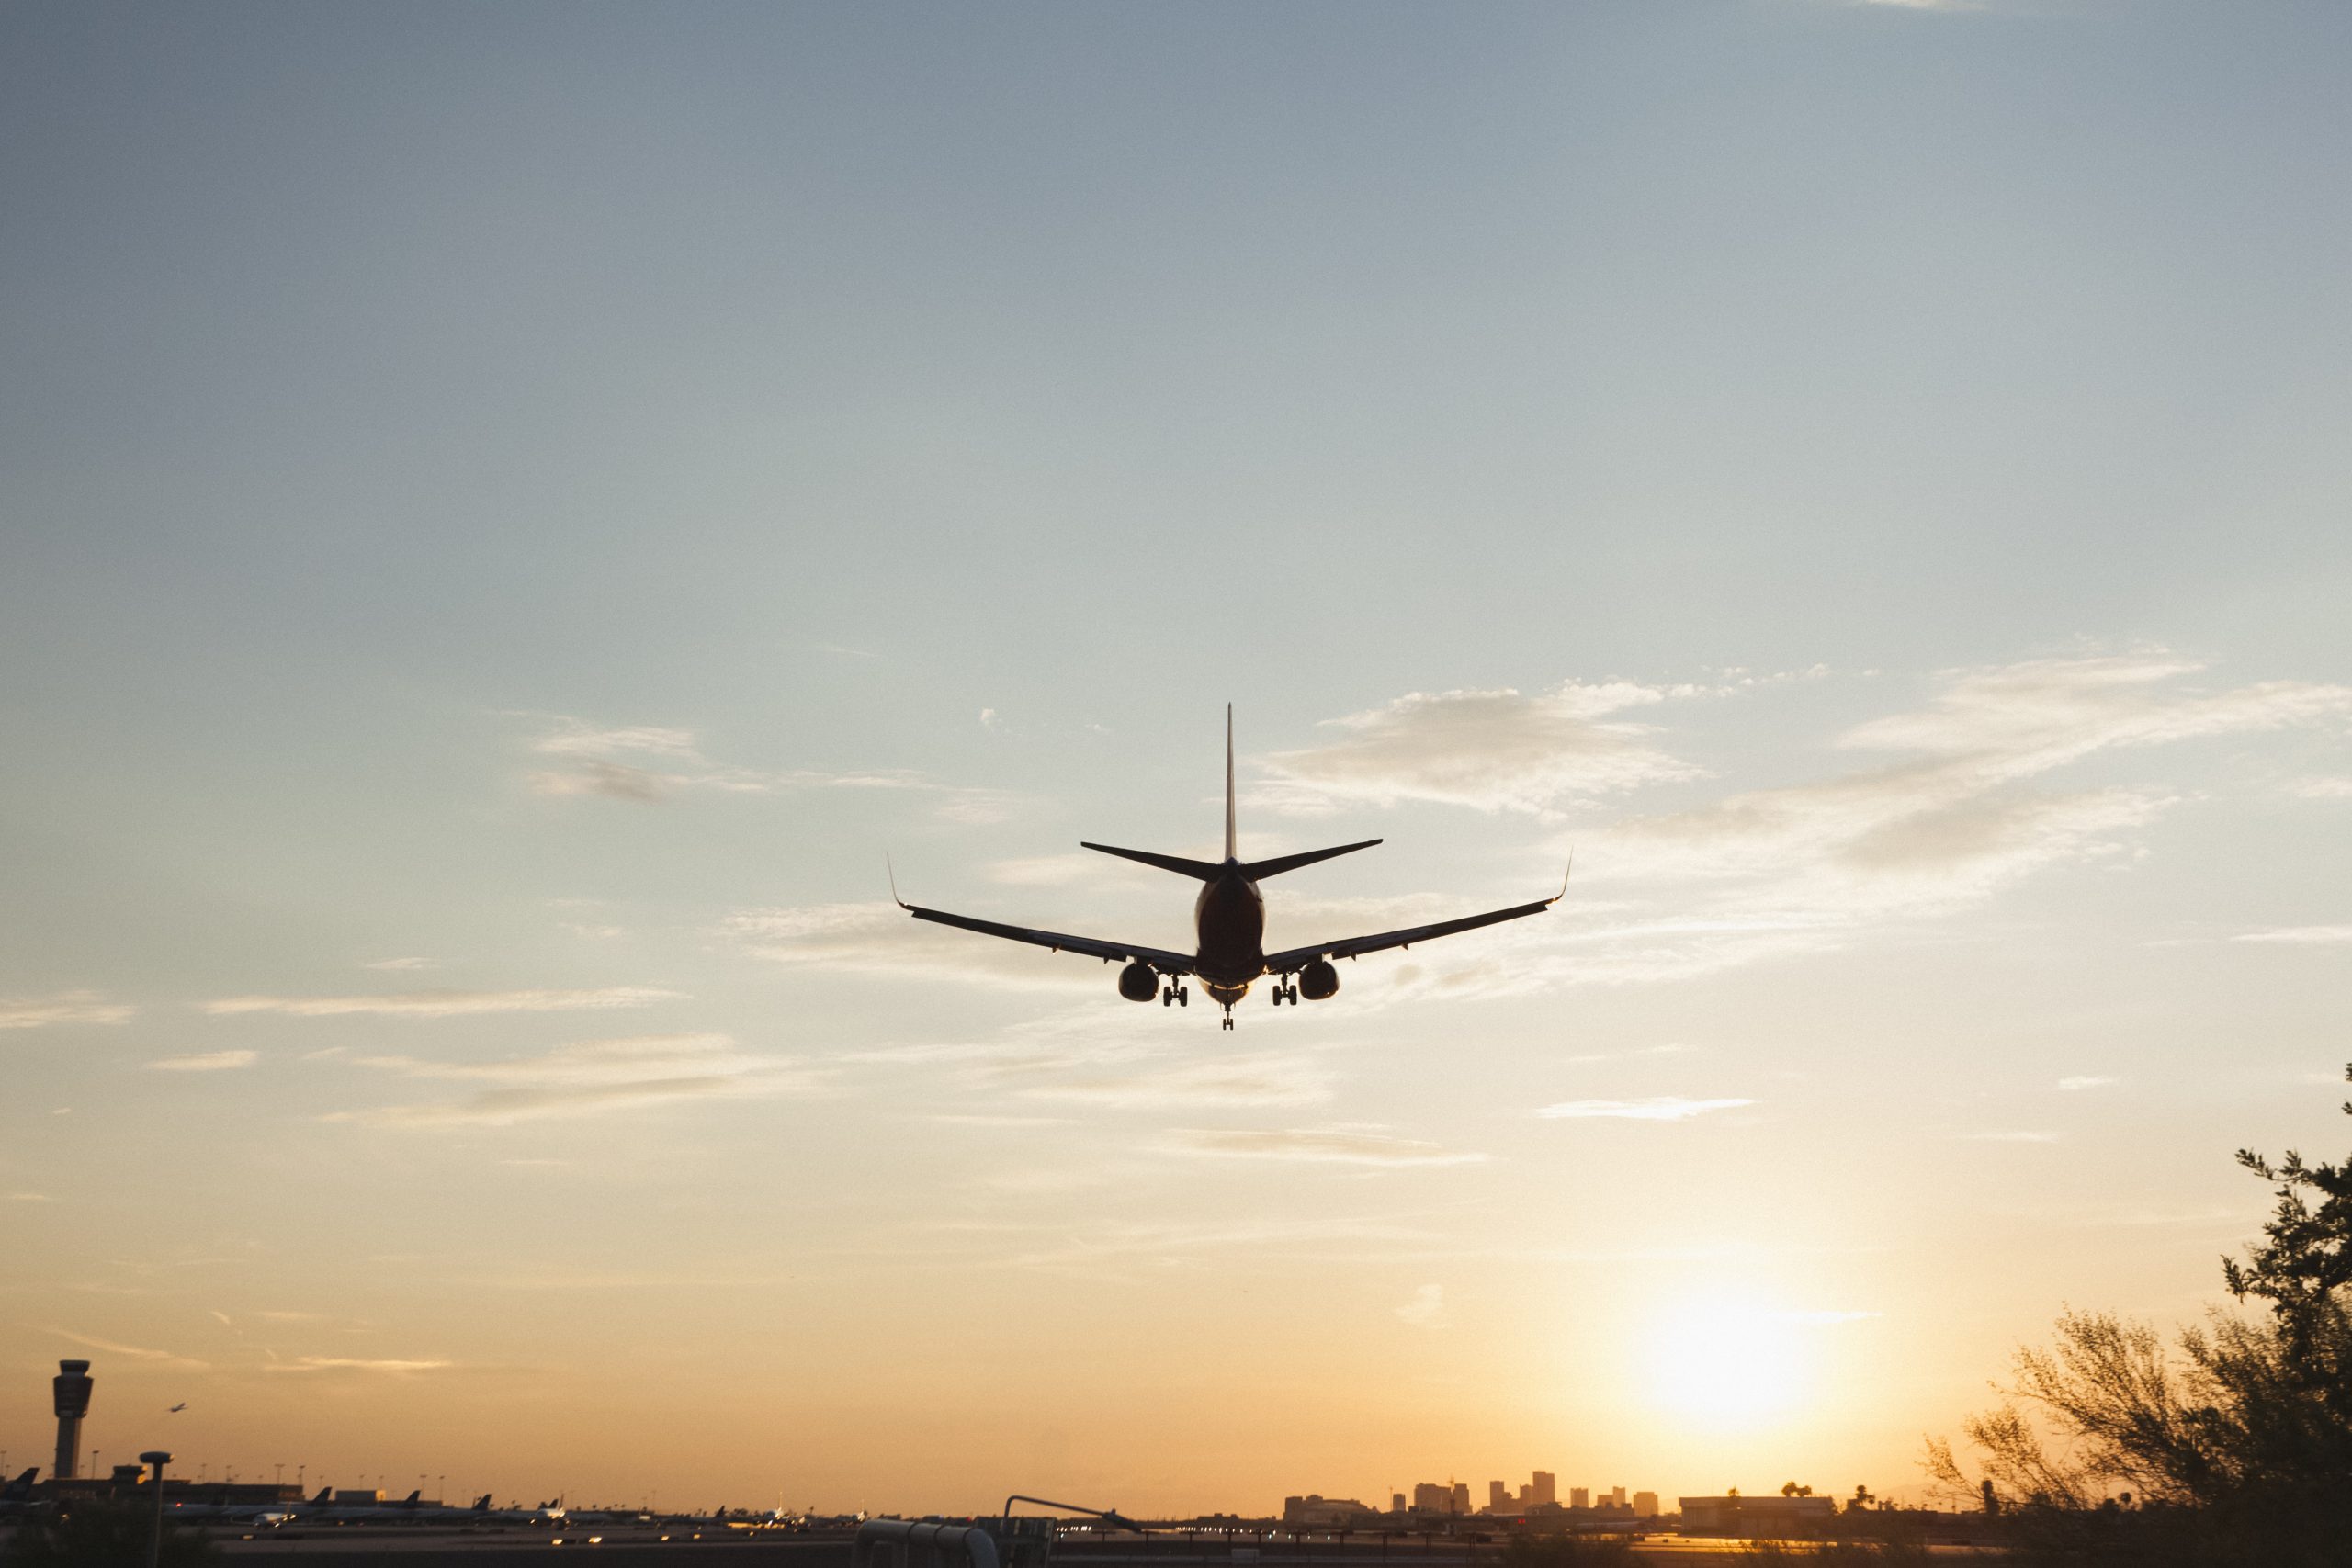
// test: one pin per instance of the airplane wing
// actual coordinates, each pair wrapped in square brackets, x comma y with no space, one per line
[1160,958]
[1355,946]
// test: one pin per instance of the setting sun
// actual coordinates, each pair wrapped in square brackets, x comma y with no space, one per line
[1728,1361]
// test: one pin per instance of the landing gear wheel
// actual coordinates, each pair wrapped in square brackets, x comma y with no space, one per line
[1183,996]
[1167,996]
[1228,1020]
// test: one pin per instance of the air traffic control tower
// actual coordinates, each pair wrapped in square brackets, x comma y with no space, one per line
[71,1386]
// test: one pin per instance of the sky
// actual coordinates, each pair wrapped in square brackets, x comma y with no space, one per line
[508,515]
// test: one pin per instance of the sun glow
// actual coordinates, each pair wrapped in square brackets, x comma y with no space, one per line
[1728,1361]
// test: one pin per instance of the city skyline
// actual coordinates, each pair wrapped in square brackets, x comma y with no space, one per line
[519,521]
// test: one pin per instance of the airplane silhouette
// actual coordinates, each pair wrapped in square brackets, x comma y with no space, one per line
[1229,927]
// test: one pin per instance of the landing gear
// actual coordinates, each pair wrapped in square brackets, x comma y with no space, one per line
[1181,996]
[1285,993]
[1227,1022]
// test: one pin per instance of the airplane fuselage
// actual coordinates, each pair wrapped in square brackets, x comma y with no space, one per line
[1229,930]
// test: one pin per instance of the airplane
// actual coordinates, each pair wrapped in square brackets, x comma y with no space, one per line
[1229,926]
[16,1496]
[176,1409]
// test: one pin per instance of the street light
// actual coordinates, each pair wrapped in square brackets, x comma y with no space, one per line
[159,1459]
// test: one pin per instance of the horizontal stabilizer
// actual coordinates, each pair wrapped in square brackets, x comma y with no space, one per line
[1259,870]
[1200,869]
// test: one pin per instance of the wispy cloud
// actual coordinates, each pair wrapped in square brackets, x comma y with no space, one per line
[1426,1309]
[26,1198]
[1339,1147]
[2085,1080]
[1659,1108]
[2012,1137]
[136,1352]
[447,1004]
[880,938]
[1495,750]
[357,1364]
[2299,936]
[1955,820]
[400,964]
[1233,1080]
[590,1077]
[66,1007]
[647,764]
[205,1061]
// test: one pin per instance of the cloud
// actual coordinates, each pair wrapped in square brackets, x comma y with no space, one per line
[587,1077]
[205,1061]
[646,765]
[1427,1307]
[400,964]
[66,1007]
[356,1364]
[1184,1244]
[1233,1080]
[1659,1108]
[1494,750]
[447,1004]
[2337,788]
[595,776]
[26,1198]
[1957,817]
[2299,936]
[2012,1137]
[136,1352]
[2085,1080]
[880,938]
[1334,1147]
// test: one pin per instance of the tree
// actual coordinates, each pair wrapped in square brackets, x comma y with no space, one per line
[2240,1439]
[97,1532]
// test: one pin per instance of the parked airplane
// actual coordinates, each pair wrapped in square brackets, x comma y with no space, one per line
[16,1496]
[1229,927]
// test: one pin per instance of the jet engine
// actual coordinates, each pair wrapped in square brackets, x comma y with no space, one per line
[1318,980]
[1139,982]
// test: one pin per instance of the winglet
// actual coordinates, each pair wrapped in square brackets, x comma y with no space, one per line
[1564,879]
[1229,848]
[892,872]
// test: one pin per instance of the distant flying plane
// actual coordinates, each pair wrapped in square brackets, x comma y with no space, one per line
[1229,926]
[176,1409]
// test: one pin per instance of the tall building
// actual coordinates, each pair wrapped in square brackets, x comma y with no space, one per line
[1646,1503]
[1543,1488]
[1497,1497]
[1579,1497]
[1616,1496]
[1428,1497]
[1460,1497]
[1395,1502]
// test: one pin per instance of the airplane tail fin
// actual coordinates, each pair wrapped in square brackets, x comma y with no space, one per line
[481,1503]
[1259,870]
[411,1500]
[1177,864]
[1230,851]
[21,1488]
[320,1500]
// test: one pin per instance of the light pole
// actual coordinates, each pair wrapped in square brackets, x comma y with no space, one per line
[159,1459]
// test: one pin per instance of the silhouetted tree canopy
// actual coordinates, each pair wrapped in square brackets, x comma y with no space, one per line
[2237,1442]
[102,1534]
